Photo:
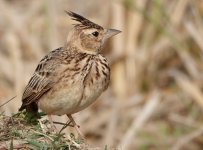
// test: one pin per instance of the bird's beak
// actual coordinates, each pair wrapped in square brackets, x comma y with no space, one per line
[111,32]
[107,34]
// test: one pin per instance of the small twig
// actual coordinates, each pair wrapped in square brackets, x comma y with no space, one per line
[8,101]
[65,125]
[61,123]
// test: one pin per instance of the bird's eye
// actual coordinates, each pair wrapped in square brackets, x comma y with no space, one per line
[95,33]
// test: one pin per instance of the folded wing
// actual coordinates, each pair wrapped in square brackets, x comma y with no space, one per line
[44,78]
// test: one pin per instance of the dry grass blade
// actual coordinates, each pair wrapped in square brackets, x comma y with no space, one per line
[134,25]
[7,101]
[17,144]
[110,136]
[186,139]
[138,122]
[188,87]
[179,11]
[193,31]
[118,78]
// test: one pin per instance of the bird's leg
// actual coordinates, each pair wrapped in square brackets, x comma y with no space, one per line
[76,126]
[53,127]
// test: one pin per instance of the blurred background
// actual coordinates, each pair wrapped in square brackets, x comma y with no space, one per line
[155,98]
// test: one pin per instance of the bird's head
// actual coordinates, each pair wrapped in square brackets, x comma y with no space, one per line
[88,36]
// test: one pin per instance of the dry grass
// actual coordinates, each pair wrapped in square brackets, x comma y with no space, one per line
[155,100]
[21,132]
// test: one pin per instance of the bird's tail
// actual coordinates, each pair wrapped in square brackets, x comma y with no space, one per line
[31,109]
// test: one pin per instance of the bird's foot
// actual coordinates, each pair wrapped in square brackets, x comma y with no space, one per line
[81,136]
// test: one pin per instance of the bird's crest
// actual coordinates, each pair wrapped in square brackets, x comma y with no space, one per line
[84,23]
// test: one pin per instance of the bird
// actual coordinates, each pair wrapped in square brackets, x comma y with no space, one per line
[70,78]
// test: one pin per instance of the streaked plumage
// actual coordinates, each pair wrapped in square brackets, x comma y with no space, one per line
[70,78]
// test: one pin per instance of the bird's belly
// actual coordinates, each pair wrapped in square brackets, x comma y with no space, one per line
[91,93]
[62,101]
[76,96]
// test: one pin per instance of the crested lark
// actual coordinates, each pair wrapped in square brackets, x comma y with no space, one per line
[72,77]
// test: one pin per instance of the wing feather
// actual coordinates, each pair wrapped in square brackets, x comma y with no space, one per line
[44,77]
[37,86]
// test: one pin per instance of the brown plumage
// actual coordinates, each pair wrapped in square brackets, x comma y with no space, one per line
[70,78]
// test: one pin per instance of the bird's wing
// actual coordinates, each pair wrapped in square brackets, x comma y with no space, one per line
[44,78]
